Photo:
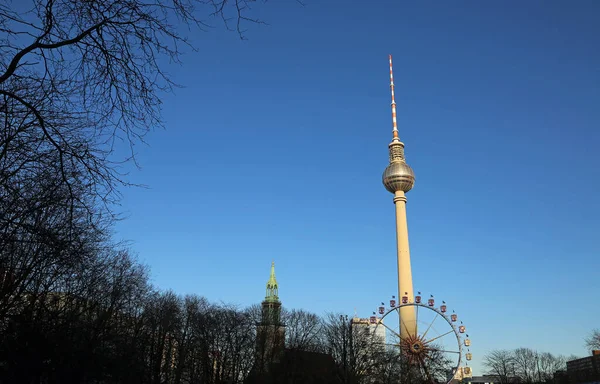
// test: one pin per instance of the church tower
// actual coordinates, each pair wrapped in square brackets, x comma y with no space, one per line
[270,332]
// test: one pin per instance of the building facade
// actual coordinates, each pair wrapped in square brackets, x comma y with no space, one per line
[585,370]
[375,329]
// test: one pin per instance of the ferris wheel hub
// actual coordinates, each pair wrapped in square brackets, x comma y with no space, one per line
[414,347]
[417,347]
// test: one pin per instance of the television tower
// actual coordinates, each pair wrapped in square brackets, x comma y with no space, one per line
[399,178]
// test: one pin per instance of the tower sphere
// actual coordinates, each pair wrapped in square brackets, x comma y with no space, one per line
[398,176]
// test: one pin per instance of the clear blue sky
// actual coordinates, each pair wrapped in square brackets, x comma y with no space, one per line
[275,147]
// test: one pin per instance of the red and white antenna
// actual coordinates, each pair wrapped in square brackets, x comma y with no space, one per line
[395,124]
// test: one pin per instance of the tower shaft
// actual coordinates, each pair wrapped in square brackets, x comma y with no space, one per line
[408,324]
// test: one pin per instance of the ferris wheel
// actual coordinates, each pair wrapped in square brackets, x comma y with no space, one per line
[434,349]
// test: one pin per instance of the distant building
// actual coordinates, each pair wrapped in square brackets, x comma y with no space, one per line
[375,328]
[489,379]
[585,370]
[462,373]
[482,380]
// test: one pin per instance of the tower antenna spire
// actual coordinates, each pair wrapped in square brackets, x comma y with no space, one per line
[395,124]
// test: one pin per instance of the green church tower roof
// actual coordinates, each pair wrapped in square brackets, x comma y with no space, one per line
[272,287]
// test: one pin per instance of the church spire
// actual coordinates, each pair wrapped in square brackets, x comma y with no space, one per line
[272,287]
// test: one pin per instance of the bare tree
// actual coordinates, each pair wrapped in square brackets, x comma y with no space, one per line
[526,364]
[500,363]
[548,364]
[572,357]
[234,344]
[592,342]
[390,367]
[77,78]
[353,347]
[523,364]
[303,330]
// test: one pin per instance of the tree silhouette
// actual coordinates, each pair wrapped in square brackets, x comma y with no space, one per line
[592,342]
[78,79]
[524,365]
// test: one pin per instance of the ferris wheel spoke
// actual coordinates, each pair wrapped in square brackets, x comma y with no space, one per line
[442,350]
[405,327]
[417,322]
[430,324]
[435,338]
[391,330]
